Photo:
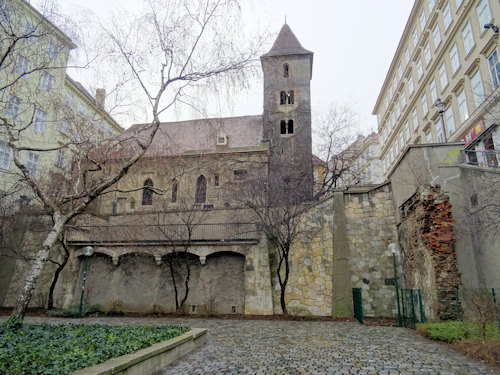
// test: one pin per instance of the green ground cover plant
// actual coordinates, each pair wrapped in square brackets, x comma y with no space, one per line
[61,349]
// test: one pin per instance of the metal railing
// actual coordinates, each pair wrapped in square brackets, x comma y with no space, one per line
[486,158]
[164,234]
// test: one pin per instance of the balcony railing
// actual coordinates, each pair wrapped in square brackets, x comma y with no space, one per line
[164,234]
[485,159]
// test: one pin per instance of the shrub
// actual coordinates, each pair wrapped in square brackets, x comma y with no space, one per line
[115,307]
[72,312]
[455,330]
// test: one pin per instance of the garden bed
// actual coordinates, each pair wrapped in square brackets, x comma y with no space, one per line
[61,349]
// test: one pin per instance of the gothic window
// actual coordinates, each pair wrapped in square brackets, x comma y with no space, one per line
[283,126]
[147,193]
[290,97]
[201,190]
[285,71]
[290,126]
[286,127]
[282,97]
[175,186]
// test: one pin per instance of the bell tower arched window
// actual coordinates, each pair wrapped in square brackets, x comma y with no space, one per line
[201,190]
[283,127]
[290,97]
[286,127]
[147,193]
[285,71]
[282,97]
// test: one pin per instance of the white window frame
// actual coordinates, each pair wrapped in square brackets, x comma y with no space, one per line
[400,71]
[403,98]
[443,76]
[53,50]
[13,107]
[483,14]
[414,36]
[428,136]
[425,105]
[398,109]
[439,131]
[39,120]
[427,53]
[407,55]
[433,91]
[401,140]
[420,68]
[410,84]
[494,66]
[70,100]
[468,38]
[436,35]
[477,88]
[450,120]
[66,127]
[414,115]
[46,82]
[407,131]
[60,158]
[431,4]
[459,2]
[22,66]
[422,19]
[32,163]
[454,58]
[447,18]
[463,110]
[5,155]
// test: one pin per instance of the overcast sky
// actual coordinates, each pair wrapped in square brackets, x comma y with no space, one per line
[353,43]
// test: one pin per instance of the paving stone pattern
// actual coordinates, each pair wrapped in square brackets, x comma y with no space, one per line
[278,347]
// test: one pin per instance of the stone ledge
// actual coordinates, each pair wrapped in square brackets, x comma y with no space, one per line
[151,359]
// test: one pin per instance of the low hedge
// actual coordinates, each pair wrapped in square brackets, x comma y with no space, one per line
[61,349]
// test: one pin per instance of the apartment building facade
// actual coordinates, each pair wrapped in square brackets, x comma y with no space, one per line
[41,107]
[442,85]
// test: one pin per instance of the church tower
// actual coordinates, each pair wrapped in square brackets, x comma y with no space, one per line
[287,115]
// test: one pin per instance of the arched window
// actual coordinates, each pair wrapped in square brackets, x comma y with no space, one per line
[282,97]
[201,190]
[283,127]
[290,97]
[147,193]
[290,126]
[175,186]
[285,71]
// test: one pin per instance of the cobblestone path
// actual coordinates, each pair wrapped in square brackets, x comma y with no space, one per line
[279,347]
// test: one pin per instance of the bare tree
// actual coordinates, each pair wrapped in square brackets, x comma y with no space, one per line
[187,44]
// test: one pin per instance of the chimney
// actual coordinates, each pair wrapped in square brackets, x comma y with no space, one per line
[100,96]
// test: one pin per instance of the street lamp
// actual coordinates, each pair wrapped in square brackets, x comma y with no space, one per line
[88,251]
[440,106]
[492,27]
[393,248]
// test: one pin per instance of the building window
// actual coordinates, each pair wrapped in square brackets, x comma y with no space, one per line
[282,97]
[201,190]
[425,107]
[422,20]
[13,107]
[5,155]
[447,16]
[400,71]
[477,88]
[427,53]
[436,34]
[407,131]
[53,50]
[439,131]
[286,71]
[407,55]
[468,37]
[286,127]
[403,98]
[70,100]
[39,120]
[494,68]
[283,127]
[65,127]
[81,109]
[410,84]
[147,193]
[431,4]
[428,137]
[396,147]
[459,2]
[290,97]
[60,158]
[398,109]
[175,187]
[483,13]
[415,118]
[241,175]
[463,112]
[46,82]
[433,90]
[420,70]
[443,76]
[414,36]
[22,66]
[450,120]
[454,58]
[32,164]
[216,180]
[401,140]
[221,139]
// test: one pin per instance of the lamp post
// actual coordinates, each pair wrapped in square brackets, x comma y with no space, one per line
[88,251]
[440,105]
[392,248]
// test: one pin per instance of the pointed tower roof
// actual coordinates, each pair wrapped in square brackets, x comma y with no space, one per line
[287,44]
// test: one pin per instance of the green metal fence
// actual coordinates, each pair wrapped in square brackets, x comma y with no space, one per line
[357,298]
[470,300]
[413,310]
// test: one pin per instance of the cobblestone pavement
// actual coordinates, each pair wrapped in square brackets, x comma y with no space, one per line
[291,347]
